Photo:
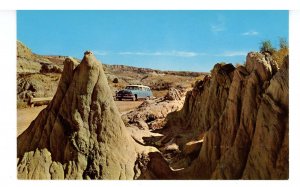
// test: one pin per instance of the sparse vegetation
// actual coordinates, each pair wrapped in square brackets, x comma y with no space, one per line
[283,43]
[283,51]
[277,54]
[266,46]
[21,104]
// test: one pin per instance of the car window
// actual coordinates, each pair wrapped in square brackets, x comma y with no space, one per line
[137,88]
[130,87]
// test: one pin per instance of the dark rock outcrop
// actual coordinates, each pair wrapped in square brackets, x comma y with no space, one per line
[25,89]
[50,68]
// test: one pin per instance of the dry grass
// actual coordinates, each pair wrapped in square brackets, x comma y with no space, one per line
[22,104]
[24,65]
[280,55]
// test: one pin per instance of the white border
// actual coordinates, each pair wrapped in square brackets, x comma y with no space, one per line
[8,94]
[149,4]
[8,117]
[294,93]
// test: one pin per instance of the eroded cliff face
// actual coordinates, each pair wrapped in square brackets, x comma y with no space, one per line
[80,135]
[233,125]
[241,117]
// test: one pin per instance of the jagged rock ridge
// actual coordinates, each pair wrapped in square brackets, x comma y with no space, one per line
[80,134]
[241,115]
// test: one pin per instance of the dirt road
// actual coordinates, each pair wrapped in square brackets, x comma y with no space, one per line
[26,115]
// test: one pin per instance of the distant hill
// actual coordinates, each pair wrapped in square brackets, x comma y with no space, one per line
[38,75]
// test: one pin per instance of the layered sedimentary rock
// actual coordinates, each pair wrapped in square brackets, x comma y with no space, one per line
[153,112]
[233,125]
[80,135]
[174,94]
[243,114]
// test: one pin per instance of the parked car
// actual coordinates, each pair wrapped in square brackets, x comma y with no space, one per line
[134,92]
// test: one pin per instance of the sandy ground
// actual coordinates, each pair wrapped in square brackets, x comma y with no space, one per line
[26,115]
[125,106]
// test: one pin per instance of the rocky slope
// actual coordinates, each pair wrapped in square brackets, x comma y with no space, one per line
[38,76]
[80,135]
[233,125]
[28,62]
[154,112]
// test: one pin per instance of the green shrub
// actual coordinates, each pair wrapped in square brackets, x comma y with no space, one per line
[266,46]
[277,55]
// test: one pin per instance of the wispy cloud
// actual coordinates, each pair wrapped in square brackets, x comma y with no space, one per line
[233,53]
[250,33]
[166,53]
[101,53]
[219,25]
[217,28]
[174,53]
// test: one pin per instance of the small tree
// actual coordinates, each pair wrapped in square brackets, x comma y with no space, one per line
[266,46]
[283,44]
[277,55]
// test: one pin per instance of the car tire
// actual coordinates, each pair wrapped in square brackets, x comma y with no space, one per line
[134,98]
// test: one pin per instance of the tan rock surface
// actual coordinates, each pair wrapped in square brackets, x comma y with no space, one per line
[153,112]
[243,112]
[81,130]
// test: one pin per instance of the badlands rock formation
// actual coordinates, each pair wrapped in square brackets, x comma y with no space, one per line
[174,94]
[80,135]
[153,112]
[233,125]
[150,115]
[239,117]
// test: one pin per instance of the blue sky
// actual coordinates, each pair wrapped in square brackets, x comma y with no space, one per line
[167,40]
